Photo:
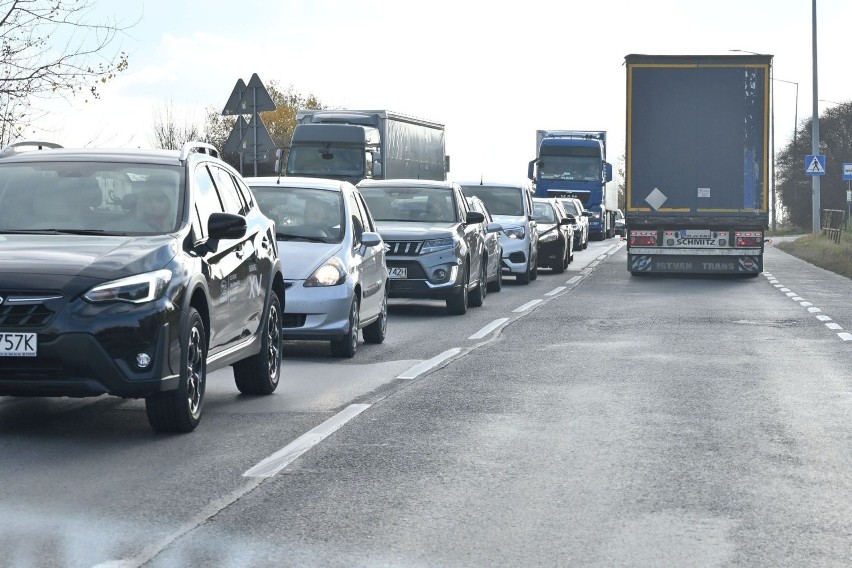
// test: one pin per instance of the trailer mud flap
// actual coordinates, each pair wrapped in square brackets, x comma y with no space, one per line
[682,264]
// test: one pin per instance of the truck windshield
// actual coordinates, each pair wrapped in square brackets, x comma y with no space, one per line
[574,168]
[325,160]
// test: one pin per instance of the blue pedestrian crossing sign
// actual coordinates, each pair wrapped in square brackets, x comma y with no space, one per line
[815,165]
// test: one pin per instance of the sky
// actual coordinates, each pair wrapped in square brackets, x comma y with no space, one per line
[493,72]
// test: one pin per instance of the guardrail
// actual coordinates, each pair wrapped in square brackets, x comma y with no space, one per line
[832,223]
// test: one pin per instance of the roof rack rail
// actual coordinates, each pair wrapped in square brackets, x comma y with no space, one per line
[198,147]
[15,147]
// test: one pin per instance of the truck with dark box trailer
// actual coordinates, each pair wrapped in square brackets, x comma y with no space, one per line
[353,145]
[697,163]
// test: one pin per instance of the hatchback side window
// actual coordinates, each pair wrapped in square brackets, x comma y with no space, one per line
[357,219]
[365,213]
[206,200]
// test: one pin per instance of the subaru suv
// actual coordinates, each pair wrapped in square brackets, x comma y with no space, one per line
[134,273]
[434,243]
[511,206]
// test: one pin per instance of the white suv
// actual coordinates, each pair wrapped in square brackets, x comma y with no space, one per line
[510,204]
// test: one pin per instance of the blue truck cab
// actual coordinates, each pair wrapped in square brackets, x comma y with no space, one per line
[572,163]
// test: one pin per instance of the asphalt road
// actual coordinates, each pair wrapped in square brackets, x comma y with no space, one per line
[591,418]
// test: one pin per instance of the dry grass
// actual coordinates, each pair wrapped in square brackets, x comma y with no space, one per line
[819,250]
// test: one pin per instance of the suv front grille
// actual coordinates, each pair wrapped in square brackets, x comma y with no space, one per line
[403,248]
[24,315]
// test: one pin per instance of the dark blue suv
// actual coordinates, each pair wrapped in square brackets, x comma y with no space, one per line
[134,273]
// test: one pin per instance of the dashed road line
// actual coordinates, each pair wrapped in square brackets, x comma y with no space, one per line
[488,328]
[844,335]
[527,306]
[429,364]
[556,291]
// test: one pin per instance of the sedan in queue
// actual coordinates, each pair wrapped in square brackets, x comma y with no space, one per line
[555,234]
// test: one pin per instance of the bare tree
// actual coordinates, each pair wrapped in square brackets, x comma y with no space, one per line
[51,48]
[168,134]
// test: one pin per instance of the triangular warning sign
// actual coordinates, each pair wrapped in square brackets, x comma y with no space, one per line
[232,144]
[232,106]
[255,98]
[815,167]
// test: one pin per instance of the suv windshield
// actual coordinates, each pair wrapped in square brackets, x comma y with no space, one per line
[421,204]
[90,196]
[498,200]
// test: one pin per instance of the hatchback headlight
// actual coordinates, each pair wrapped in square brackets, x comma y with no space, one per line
[329,274]
[134,289]
[514,232]
[434,245]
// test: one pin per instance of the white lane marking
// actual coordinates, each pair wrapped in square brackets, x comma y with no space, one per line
[592,264]
[778,285]
[783,289]
[814,310]
[767,275]
[845,336]
[773,281]
[805,304]
[527,306]
[555,291]
[424,366]
[834,326]
[488,328]
[797,299]
[286,455]
[602,257]
[823,318]
[574,279]
[791,294]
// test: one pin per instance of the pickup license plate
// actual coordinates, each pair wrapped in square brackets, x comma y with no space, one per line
[18,345]
[396,272]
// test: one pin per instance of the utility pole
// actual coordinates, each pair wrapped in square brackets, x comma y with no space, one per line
[815,131]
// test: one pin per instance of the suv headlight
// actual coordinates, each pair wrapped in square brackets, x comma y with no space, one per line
[329,274]
[548,236]
[514,232]
[435,245]
[134,289]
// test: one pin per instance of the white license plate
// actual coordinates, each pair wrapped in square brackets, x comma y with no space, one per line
[18,344]
[396,272]
[693,234]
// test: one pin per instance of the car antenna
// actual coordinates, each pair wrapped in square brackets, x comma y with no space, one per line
[480,178]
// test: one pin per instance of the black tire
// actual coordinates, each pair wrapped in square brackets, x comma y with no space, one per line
[259,374]
[478,296]
[347,346]
[376,331]
[534,270]
[180,410]
[457,305]
[497,284]
[560,265]
[585,242]
[571,256]
[525,277]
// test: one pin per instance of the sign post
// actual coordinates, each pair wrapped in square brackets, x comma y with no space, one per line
[847,175]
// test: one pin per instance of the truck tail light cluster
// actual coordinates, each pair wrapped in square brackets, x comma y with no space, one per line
[748,238]
[643,238]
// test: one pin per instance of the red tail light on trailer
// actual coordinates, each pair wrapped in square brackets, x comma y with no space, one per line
[748,238]
[643,238]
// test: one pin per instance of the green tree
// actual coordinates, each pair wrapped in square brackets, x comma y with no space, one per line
[49,49]
[794,187]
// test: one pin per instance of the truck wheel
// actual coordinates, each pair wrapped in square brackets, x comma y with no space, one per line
[180,410]
[457,305]
[259,374]
[347,346]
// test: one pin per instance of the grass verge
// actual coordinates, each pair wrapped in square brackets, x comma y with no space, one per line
[819,250]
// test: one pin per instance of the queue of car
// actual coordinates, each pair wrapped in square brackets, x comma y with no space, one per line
[136,273]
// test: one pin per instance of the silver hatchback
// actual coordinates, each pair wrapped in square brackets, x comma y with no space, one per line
[333,261]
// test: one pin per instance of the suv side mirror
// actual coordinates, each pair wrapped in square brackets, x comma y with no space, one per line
[226,226]
[474,217]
